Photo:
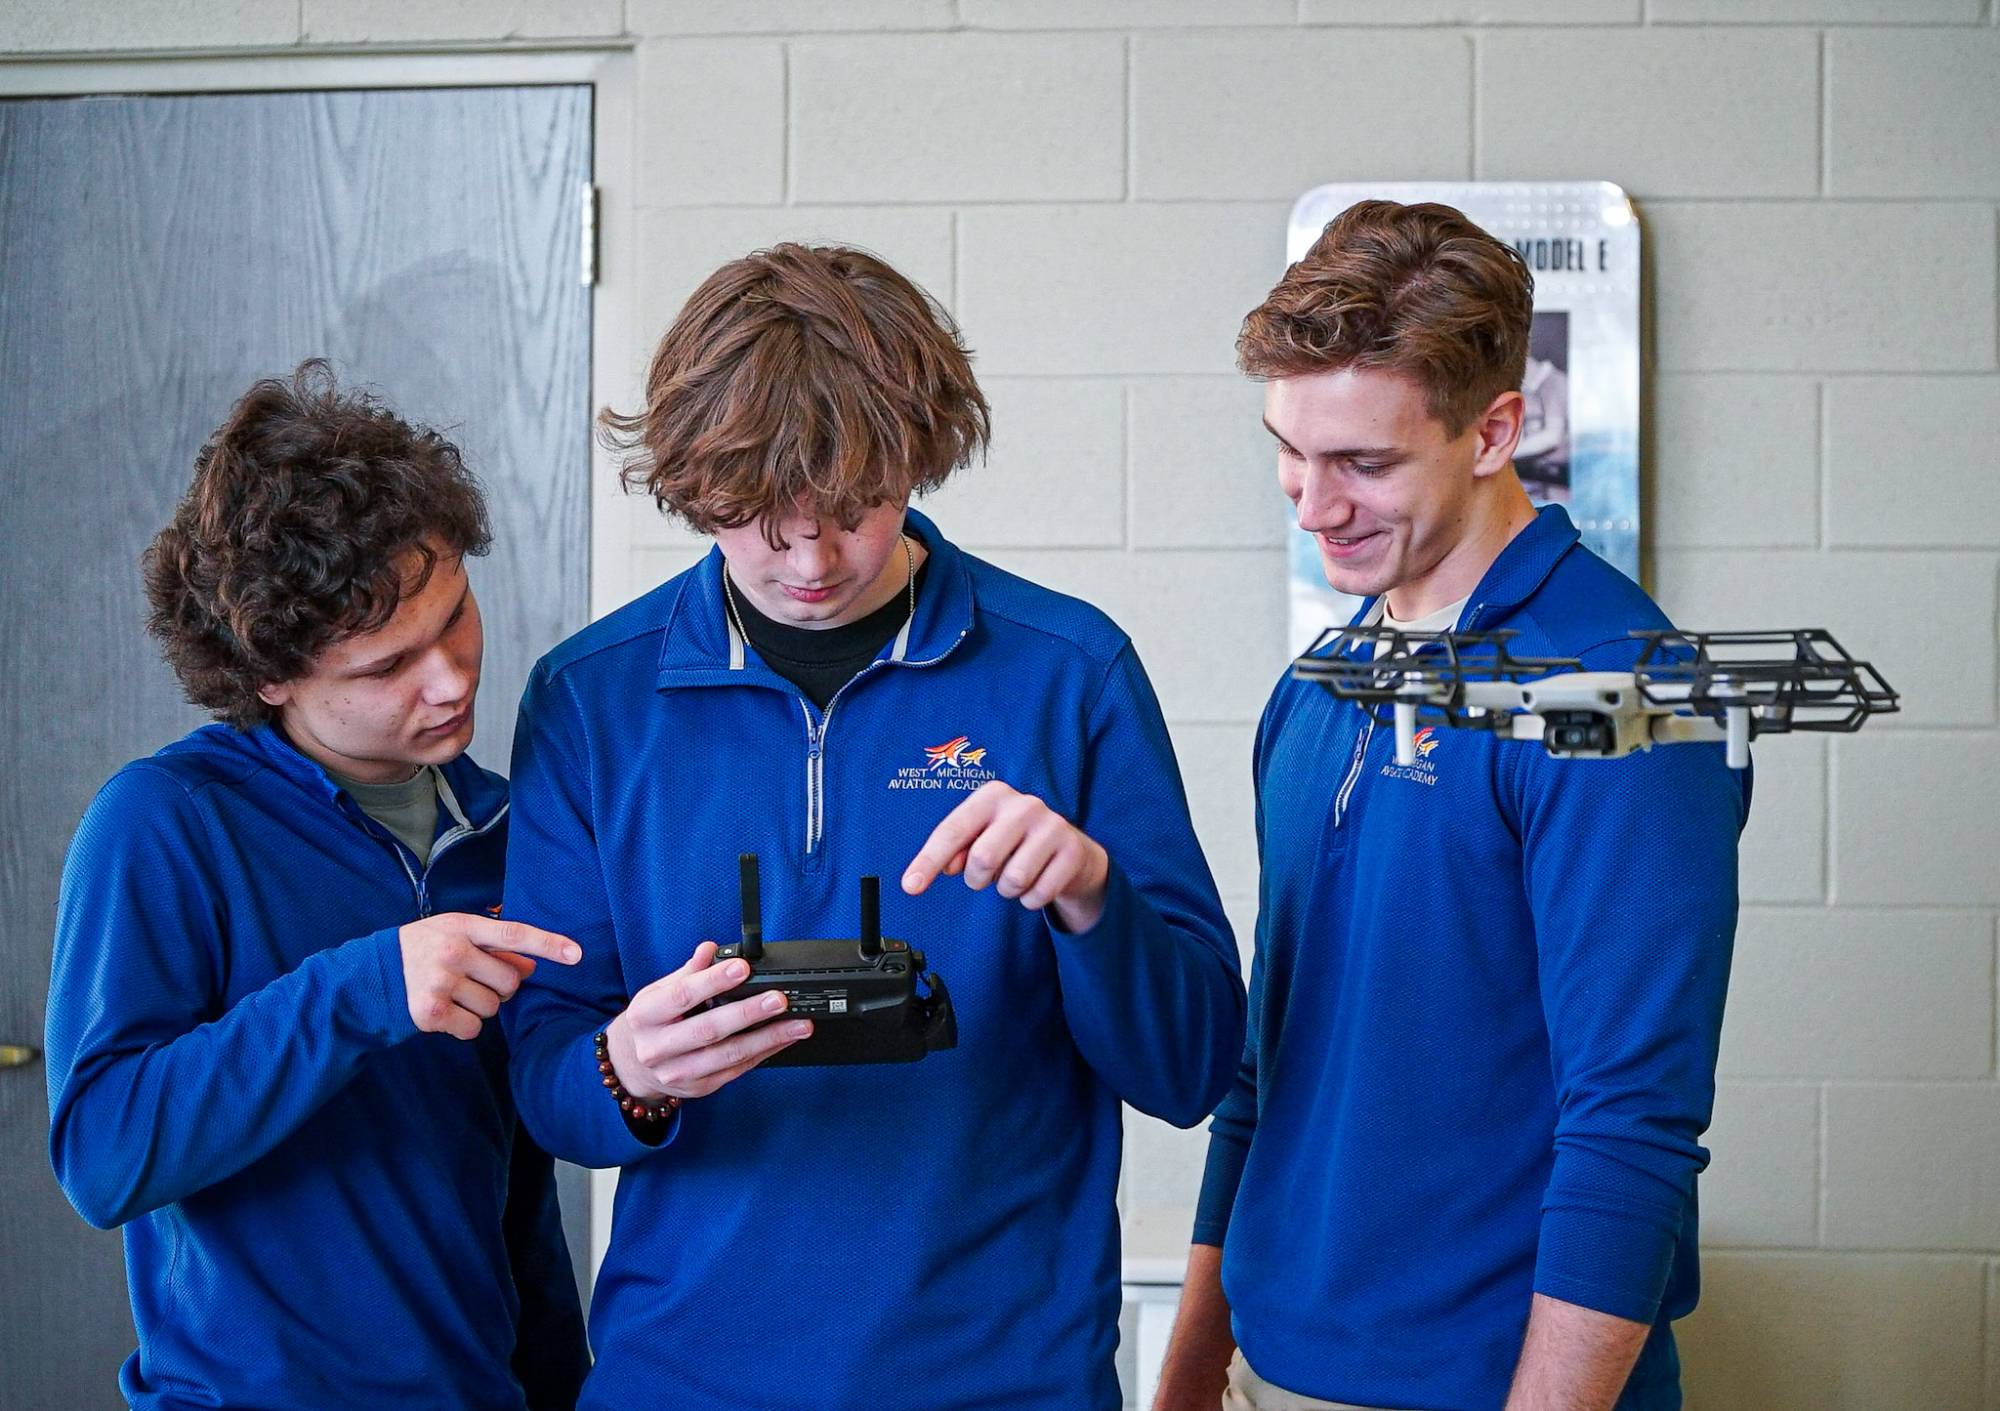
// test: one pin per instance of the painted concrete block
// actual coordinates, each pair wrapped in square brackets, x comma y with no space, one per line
[1833,1332]
[1781,855]
[1602,120]
[1913,1166]
[1735,461]
[44,26]
[1203,468]
[382,21]
[1470,12]
[962,117]
[1122,14]
[1897,12]
[1860,994]
[1773,287]
[784,16]
[1761,1187]
[711,122]
[1056,475]
[1156,288]
[1266,114]
[1913,113]
[1215,768]
[1208,624]
[1913,819]
[1163,1164]
[1912,461]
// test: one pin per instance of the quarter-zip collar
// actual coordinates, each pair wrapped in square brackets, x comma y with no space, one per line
[1523,565]
[701,647]
[471,798]
[1510,580]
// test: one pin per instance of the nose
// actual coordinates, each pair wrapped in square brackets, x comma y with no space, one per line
[449,676]
[1323,505]
[811,559]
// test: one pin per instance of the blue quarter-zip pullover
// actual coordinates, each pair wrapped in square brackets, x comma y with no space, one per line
[1485,1006]
[316,1197]
[932,1235]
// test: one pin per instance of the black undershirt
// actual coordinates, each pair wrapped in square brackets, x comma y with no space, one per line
[820,660]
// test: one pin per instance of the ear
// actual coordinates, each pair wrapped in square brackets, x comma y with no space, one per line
[1498,428]
[275,694]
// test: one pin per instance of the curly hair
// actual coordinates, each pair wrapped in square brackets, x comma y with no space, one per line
[801,379]
[297,531]
[1417,290]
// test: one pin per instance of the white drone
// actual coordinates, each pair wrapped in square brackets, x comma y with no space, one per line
[1685,687]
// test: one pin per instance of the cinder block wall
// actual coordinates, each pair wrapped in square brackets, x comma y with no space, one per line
[1097,188]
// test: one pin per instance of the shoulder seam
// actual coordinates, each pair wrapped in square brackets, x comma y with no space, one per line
[626,639]
[1124,640]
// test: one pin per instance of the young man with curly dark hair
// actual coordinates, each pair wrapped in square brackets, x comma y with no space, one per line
[841,690]
[277,952]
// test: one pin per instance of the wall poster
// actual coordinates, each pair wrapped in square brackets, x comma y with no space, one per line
[1580,444]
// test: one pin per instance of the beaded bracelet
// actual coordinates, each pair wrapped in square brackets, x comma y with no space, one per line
[659,1110]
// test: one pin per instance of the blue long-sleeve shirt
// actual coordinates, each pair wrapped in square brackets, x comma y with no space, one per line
[1485,1006]
[936,1234]
[316,1199]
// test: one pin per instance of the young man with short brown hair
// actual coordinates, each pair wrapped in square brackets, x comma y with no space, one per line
[269,1056]
[1457,1168]
[840,690]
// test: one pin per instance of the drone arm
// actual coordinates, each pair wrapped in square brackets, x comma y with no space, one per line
[1406,733]
[1686,729]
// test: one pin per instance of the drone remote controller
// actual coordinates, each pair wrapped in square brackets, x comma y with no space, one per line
[860,994]
[1685,687]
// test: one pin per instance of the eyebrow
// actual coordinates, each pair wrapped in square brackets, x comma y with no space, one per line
[377,663]
[1346,453]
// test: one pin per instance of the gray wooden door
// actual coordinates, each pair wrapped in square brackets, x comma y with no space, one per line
[157,254]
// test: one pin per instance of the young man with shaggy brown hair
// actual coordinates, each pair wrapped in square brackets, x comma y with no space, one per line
[269,1055]
[1457,1169]
[840,690]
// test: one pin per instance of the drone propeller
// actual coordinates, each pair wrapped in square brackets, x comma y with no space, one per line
[1755,687]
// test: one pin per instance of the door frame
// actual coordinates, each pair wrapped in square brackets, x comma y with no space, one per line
[618,347]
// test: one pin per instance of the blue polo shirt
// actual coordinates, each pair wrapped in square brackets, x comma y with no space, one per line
[1485,1006]
[316,1198]
[937,1234]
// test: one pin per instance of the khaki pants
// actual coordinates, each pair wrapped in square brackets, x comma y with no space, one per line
[1249,1392]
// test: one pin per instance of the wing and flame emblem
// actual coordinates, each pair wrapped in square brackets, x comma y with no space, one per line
[954,754]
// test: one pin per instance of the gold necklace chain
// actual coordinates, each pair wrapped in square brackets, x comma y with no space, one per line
[909,565]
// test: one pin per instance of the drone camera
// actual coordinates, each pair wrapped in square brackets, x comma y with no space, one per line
[1579,732]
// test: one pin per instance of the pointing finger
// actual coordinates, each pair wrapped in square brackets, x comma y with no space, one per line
[950,839]
[490,934]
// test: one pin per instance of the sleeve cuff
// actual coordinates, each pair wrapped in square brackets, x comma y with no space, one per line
[1614,1261]
[610,1136]
[378,1003]
[1119,899]
[1219,1182]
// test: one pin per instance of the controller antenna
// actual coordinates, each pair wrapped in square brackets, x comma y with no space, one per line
[752,948]
[871,917]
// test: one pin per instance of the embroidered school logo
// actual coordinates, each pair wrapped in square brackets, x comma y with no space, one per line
[1423,771]
[954,754]
[955,765]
